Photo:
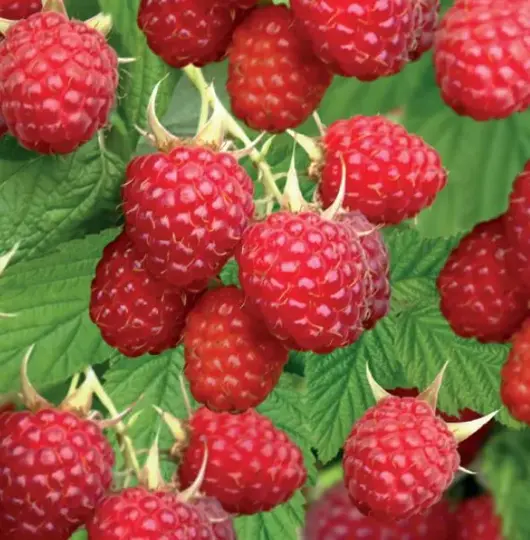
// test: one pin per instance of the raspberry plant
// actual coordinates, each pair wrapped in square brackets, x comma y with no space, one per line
[225,295]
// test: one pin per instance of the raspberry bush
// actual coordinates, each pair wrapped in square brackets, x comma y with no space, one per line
[314,331]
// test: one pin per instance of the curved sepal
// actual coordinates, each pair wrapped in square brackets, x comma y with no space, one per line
[193,491]
[30,397]
[80,400]
[333,210]
[430,394]
[464,430]
[162,138]
[151,475]
[102,22]
[55,6]
[378,391]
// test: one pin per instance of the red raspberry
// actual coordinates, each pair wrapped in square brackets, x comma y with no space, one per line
[3,127]
[239,4]
[399,459]
[54,469]
[274,80]
[358,39]
[138,513]
[517,227]
[377,283]
[19,9]
[135,312]
[221,522]
[481,58]
[187,210]
[252,465]
[469,448]
[305,276]
[334,517]
[391,174]
[479,298]
[515,376]
[186,32]
[6,407]
[232,362]
[427,12]
[476,520]
[58,81]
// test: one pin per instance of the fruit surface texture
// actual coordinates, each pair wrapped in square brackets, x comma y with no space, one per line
[54,469]
[252,465]
[274,80]
[476,519]
[305,276]
[232,361]
[399,459]
[391,174]
[58,81]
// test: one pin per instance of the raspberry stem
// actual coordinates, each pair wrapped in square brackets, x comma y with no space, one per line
[125,442]
[208,96]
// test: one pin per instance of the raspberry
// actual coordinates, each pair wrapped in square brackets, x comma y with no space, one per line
[399,459]
[3,127]
[252,465]
[274,80]
[476,519]
[517,227]
[428,11]
[515,376]
[377,284]
[135,312]
[469,448]
[232,362]
[221,522]
[58,81]
[239,4]
[481,58]
[138,513]
[187,210]
[19,9]
[363,39]
[54,468]
[479,298]
[186,32]
[305,276]
[333,517]
[391,174]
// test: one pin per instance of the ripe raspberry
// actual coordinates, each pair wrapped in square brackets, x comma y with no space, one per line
[135,312]
[476,519]
[305,276]
[391,174]
[187,210]
[58,81]
[481,58]
[232,362]
[377,284]
[361,39]
[427,13]
[54,469]
[252,465]
[517,227]
[334,517]
[150,515]
[515,376]
[469,448]
[19,9]
[186,32]
[239,4]
[221,522]
[399,459]
[274,80]
[478,296]
[3,127]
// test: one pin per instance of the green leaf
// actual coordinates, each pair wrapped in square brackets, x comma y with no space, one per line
[483,158]
[46,200]
[283,522]
[50,298]
[137,79]
[338,392]
[506,469]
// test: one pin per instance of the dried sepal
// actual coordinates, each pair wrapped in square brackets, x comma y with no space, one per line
[241,153]
[102,22]
[5,259]
[320,125]
[378,391]
[30,397]
[309,144]
[80,401]
[214,131]
[336,207]
[178,429]
[293,198]
[464,430]
[466,471]
[151,475]
[161,137]
[5,25]
[193,491]
[55,6]
[430,394]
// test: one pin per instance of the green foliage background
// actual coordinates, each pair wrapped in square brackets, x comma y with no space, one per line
[65,209]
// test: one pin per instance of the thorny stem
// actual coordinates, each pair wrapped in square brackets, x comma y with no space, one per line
[196,76]
[129,454]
